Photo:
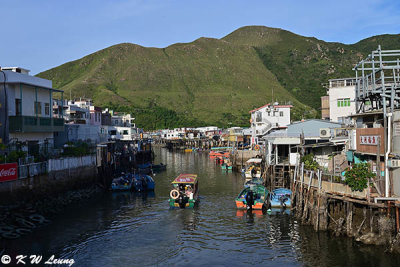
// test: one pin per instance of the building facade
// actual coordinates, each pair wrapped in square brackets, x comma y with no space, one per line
[268,117]
[341,95]
[27,113]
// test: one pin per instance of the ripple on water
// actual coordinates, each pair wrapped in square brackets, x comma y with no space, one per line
[140,230]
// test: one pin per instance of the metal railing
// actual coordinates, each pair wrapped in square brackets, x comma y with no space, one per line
[32,169]
[378,80]
[35,124]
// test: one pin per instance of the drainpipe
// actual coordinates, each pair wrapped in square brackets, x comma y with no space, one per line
[387,184]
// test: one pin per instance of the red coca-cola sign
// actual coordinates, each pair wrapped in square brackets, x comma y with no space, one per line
[8,172]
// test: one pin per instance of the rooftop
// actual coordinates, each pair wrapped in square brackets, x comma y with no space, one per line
[275,105]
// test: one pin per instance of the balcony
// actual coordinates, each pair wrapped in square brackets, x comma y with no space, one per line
[28,124]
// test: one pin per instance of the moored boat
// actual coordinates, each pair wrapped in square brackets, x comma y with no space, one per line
[227,165]
[253,168]
[260,194]
[122,183]
[253,181]
[280,198]
[219,154]
[185,193]
[143,182]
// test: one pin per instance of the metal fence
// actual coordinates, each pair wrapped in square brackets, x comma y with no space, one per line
[32,169]
[70,163]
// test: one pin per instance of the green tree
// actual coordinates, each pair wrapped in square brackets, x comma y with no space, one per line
[357,177]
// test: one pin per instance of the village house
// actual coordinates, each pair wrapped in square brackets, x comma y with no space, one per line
[28,116]
[315,136]
[82,122]
[267,118]
[339,103]
[122,127]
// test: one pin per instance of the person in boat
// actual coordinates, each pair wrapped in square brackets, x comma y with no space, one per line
[189,192]
[253,172]
[250,200]
[144,182]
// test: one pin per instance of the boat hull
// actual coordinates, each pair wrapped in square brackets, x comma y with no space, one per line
[173,203]
[147,185]
[256,206]
[261,195]
[121,187]
[224,167]
[280,198]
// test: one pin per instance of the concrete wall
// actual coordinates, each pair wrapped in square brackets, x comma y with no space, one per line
[47,185]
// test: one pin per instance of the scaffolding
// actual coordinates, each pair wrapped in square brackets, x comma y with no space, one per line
[378,81]
[378,88]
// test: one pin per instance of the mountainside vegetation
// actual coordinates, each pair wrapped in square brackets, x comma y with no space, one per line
[213,81]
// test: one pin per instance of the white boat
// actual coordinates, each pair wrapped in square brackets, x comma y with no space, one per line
[253,165]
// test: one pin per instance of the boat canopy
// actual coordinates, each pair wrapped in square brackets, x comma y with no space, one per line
[185,178]
[254,160]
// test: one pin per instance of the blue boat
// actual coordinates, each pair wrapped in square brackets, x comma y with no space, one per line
[280,198]
[122,183]
[144,168]
[253,181]
[143,182]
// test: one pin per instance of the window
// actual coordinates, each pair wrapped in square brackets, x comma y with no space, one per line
[116,122]
[18,107]
[46,109]
[343,102]
[281,113]
[38,108]
[125,132]
[258,116]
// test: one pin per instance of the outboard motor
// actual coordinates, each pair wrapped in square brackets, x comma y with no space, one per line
[144,183]
[283,199]
[182,200]
[250,200]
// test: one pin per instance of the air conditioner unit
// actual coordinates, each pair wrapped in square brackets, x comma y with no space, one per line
[393,163]
[325,133]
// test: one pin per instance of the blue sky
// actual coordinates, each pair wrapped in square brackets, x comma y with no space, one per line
[42,34]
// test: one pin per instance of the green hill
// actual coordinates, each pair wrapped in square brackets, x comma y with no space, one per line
[212,81]
[301,64]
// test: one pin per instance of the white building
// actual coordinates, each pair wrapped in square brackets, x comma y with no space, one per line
[268,117]
[341,94]
[208,131]
[29,114]
[122,127]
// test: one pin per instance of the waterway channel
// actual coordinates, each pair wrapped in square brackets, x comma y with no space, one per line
[131,229]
